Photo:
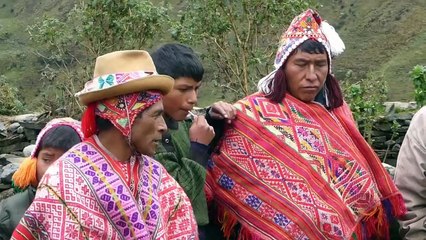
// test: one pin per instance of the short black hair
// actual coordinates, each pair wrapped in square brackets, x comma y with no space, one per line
[103,124]
[61,137]
[177,60]
[312,47]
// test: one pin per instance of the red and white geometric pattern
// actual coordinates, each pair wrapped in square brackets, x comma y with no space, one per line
[263,157]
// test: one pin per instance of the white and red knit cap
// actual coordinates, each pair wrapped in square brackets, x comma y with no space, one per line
[56,122]
[307,25]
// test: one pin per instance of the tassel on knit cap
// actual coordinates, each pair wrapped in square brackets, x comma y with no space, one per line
[88,121]
[336,44]
[25,175]
[266,84]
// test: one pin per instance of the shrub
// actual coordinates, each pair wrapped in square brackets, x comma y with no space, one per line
[418,76]
[365,98]
[10,103]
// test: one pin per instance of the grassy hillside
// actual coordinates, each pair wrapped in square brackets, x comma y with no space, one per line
[385,36]
[18,60]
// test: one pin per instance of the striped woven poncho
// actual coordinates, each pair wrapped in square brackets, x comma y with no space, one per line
[298,171]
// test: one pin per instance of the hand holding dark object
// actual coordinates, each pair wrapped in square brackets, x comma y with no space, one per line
[201,131]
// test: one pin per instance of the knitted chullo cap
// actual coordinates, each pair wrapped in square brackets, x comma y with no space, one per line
[307,25]
[26,173]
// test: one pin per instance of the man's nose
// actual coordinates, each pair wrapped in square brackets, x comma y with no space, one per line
[162,126]
[310,74]
[192,98]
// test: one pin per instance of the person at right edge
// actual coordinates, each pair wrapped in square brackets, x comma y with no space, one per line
[410,178]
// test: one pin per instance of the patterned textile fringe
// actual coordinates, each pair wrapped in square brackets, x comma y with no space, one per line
[229,222]
[376,223]
[25,175]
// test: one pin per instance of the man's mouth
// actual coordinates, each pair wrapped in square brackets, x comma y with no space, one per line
[310,88]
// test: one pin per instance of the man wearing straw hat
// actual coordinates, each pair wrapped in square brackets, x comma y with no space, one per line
[107,187]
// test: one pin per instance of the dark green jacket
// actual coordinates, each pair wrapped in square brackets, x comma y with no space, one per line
[12,209]
[185,162]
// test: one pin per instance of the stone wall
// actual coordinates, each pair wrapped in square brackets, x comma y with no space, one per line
[16,133]
[386,140]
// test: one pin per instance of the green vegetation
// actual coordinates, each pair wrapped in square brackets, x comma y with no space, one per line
[386,37]
[239,37]
[18,61]
[383,38]
[365,98]
[418,75]
[70,45]
[9,99]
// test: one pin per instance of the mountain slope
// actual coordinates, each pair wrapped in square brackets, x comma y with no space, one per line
[18,61]
[384,36]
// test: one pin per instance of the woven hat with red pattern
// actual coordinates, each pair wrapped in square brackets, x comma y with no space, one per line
[307,25]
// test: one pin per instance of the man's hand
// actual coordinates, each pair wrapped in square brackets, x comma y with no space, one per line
[201,131]
[223,110]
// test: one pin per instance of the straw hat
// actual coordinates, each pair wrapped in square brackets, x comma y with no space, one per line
[123,72]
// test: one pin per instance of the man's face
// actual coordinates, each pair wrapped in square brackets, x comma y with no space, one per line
[148,129]
[182,98]
[306,74]
[45,158]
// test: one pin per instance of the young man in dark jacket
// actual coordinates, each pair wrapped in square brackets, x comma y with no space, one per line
[186,146]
